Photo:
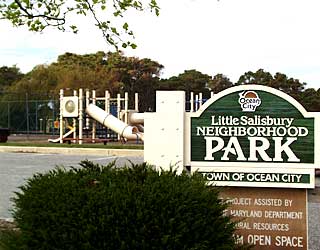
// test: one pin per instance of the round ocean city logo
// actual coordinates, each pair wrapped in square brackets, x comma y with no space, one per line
[249,101]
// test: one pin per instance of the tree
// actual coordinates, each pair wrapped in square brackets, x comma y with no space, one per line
[85,71]
[290,86]
[310,99]
[9,75]
[219,82]
[189,80]
[38,83]
[38,15]
[140,76]
[259,77]
[280,81]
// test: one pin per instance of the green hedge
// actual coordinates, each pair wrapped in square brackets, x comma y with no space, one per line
[105,207]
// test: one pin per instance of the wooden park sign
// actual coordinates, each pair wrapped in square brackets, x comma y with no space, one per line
[258,137]
[255,136]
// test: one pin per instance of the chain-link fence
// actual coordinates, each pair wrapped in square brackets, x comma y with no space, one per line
[29,113]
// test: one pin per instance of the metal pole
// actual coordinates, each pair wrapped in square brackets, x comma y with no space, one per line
[136,102]
[197,103]
[107,108]
[118,105]
[126,104]
[37,116]
[94,124]
[107,102]
[27,112]
[80,115]
[53,114]
[8,114]
[74,123]
[87,104]
[191,101]
[61,116]
[200,99]
[41,125]
[118,109]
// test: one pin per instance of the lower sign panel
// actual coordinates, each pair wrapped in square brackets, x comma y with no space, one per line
[253,177]
[269,218]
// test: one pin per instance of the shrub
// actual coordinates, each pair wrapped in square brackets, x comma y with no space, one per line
[105,207]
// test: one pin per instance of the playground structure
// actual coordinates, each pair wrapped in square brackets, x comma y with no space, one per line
[196,101]
[85,112]
[72,130]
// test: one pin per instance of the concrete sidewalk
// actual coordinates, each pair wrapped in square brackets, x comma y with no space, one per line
[73,151]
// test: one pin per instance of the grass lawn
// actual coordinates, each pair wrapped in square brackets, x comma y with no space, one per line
[66,145]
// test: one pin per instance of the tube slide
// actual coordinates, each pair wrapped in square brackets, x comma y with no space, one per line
[108,120]
[64,136]
[136,118]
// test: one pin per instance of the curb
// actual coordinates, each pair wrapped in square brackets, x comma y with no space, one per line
[73,151]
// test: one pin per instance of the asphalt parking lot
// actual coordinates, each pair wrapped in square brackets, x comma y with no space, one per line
[15,168]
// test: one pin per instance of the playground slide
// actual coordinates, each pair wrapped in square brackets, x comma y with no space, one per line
[64,136]
[108,120]
[136,118]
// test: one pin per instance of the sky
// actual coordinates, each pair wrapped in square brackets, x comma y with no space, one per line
[226,36]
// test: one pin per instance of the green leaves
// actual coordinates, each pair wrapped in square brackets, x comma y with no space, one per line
[125,26]
[133,46]
[13,6]
[74,29]
[39,14]
[154,6]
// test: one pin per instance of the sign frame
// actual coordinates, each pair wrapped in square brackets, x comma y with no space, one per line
[256,167]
